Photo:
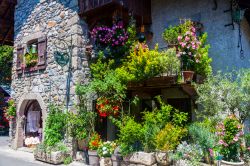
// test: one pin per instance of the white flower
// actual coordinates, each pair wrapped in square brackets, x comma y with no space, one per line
[104,148]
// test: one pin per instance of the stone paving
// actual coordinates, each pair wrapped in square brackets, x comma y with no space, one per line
[10,157]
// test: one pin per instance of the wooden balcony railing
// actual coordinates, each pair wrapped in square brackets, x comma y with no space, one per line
[140,8]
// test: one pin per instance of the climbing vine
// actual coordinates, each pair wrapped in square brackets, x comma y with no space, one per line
[6,55]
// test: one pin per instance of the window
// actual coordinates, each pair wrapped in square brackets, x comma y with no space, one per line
[32,57]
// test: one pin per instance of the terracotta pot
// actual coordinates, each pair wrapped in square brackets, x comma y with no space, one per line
[188,76]
[105,161]
[116,160]
[93,158]
[227,163]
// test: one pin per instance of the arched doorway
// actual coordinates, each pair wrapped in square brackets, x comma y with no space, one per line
[31,115]
[33,123]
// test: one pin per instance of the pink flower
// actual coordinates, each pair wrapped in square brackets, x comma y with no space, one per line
[189,53]
[183,44]
[221,142]
[239,126]
[179,38]
[211,152]
[193,29]
[178,55]
[236,139]
[197,60]
[248,148]
[187,38]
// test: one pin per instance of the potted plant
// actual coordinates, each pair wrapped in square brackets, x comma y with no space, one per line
[94,143]
[170,35]
[31,59]
[230,136]
[107,106]
[105,151]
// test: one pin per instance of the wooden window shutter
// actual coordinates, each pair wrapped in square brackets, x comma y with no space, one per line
[42,51]
[19,61]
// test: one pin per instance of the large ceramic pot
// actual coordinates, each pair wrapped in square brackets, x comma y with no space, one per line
[188,76]
[105,161]
[116,160]
[227,163]
[162,158]
[93,158]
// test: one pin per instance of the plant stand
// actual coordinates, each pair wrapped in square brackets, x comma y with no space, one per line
[93,158]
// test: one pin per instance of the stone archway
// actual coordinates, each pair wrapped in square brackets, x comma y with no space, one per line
[24,100]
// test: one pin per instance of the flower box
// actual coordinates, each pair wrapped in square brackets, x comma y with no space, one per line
[50,157]
[162,81]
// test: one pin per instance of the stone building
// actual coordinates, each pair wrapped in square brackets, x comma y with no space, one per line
[58,29]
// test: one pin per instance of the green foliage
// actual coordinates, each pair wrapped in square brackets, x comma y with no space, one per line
[147,135]
[169,137]
[55,127]
[144,63]
[10,112]
[170,34]
[31,59]
[80,124]
[130,134]
[230,137]
[204,67]
[202,135]
[225,94]
[106,149]
[68,160]
[6,56]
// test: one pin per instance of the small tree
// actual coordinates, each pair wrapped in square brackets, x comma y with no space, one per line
[225,94]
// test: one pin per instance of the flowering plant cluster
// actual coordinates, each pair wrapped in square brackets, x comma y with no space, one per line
[106,107]
[10,111]
[95,141]
[106,149]
[31,141]
[230,134]
[111,39]
[188,44]
[106,36]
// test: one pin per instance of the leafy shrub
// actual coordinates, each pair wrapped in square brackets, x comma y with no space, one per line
[55,126]
[130,135]
[67,160]
[230,135]
[144,63]
[202,135]
[106,149]
[10,112]
[192,153]
[170,137]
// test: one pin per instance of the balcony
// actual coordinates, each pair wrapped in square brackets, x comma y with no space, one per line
[98,9]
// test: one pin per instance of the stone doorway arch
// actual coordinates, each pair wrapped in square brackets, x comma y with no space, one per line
[21,108]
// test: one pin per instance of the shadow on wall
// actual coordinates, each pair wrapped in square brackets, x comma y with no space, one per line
[24,10]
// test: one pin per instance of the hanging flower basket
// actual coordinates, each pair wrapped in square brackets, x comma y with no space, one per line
[106,107]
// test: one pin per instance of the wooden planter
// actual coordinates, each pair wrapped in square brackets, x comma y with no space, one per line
[93,158]
[161,81]
[52,157]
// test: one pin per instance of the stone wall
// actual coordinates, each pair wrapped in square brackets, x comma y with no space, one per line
[50,19]
[223,40]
